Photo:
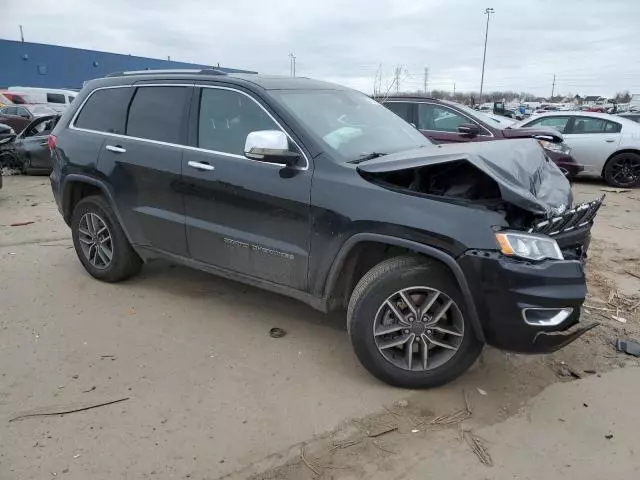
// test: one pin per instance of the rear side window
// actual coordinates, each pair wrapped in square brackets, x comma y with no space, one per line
[612,127]
[55,98]
[105,110]
[156,113]
[402,109]
[9,111]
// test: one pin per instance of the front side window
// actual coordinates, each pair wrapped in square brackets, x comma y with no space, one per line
[55,98]
[439,118]
[105,110]
[23,112]
[559,123]
[156,113]
[226,118]
[350,123]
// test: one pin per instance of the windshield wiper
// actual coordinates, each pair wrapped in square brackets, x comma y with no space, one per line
[367,156]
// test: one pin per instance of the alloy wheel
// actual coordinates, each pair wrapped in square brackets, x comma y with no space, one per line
[418,328]
[626,170]
[95,240]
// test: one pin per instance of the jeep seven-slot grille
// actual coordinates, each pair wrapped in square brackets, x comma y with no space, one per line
[570,220]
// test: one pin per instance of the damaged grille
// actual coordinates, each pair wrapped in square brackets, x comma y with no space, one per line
[570,220]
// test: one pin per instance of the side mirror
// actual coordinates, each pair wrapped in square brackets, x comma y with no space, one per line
[25,115]
[470,129]
[270,146]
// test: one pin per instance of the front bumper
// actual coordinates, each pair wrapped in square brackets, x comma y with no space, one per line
[565,161]
[518,301]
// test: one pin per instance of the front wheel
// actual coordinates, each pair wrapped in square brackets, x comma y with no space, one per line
[407,325]
[623,170]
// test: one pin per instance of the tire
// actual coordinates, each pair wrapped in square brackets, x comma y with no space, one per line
[124,261]
[623,170]
[365,311]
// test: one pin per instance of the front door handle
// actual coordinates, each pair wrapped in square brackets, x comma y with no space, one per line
[116,149]
[610,140]
[200,166]
[44,144]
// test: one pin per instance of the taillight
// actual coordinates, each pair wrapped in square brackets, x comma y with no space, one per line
[52,143]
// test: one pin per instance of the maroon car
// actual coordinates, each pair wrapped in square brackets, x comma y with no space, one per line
[448,122]
[19,116]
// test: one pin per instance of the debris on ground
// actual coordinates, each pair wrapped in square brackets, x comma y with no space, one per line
[311,467]
[21,224]
[477,447]
[564,370]
[402,403]
[633,274]
[630,347]
[90,390]
[379,430]
[63,410]
[277,332]
[615,190]
[455,417]
[481,391]
[609,436]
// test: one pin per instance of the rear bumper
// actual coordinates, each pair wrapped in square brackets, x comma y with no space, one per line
[524,306]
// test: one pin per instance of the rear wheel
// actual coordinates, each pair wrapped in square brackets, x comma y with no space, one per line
[623,170]
[100,242]
[407,325]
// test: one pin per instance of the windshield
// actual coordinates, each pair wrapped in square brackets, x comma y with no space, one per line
[349,123]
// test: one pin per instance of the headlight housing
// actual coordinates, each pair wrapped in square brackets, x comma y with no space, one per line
[530,247]
[555,147]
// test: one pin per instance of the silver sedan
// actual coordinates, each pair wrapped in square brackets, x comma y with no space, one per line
[606,145]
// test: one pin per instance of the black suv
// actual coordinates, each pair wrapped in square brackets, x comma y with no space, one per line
[319,192]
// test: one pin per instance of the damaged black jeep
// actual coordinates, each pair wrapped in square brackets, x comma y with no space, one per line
[318,192]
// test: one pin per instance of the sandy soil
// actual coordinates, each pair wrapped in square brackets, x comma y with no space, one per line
[211,395]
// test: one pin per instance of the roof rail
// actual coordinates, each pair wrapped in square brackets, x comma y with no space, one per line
[192,71]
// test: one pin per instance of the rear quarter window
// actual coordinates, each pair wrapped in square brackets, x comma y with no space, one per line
[105,110]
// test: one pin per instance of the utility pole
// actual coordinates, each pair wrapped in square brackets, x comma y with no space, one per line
[487,12]
[292,65]
[426,79]
[553,87]
[397,78]
[21,34]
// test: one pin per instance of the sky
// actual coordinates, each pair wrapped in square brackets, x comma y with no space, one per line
[592,46]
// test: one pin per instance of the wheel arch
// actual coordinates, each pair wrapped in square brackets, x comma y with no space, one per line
[78,186]
[344,267]
[616,153]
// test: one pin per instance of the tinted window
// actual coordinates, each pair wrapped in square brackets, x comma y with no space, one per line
[106,110]
[9,111]
[439,118]
[156,113]
[23,112]
[55,98]
[402,109]
[559,123]
[589,125]
[226,118]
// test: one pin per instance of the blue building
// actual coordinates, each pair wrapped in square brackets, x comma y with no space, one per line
[39,65]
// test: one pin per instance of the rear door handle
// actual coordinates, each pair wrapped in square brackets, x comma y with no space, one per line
[44,144]
[610,140]
[116,149]
[200,166]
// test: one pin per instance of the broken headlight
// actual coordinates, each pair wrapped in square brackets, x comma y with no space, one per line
[531,247]
[555,147]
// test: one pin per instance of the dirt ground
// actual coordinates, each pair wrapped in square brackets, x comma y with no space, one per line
[210,395]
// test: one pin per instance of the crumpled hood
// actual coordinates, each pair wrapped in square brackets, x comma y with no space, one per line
[525,175]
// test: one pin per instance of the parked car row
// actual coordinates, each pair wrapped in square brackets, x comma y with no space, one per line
[443,121]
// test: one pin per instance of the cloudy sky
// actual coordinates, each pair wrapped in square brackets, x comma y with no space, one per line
[593,46]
